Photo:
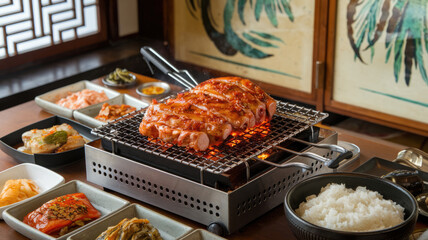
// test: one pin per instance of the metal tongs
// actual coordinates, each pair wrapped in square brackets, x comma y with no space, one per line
[331,163]
[151,56]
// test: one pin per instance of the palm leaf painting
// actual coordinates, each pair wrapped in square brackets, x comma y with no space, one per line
[404,24]
[250,43]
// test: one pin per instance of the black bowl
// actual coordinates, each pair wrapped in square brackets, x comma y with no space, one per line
[389,190]
[8,144]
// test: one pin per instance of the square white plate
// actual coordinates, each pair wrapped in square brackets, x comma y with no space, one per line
[87,115]
[43,177]
[104,202]
[201,234]
[47,100]
[168,228]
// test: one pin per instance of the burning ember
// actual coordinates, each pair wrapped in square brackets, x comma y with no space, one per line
[216,153]
[264,156]
[257,132]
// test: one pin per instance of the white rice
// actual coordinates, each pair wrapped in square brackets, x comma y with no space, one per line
[345,209]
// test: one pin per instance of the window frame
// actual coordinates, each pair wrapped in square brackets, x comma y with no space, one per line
[64,48]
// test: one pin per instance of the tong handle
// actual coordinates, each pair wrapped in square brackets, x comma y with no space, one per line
[152,56]
[334,163]
[286,164]
[332,147]
[331,163]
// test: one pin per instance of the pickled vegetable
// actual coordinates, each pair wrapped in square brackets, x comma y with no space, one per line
[120,76]
[59,137]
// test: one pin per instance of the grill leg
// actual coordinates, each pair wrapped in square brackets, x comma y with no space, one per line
[217,228]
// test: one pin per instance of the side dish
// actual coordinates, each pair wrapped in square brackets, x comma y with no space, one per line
[82,99]
[62,214]
[410,180]
[120,76]
[360,210]
[153,90]
[110,112]
[208,113]
[59,138]
[134,228]
[16,190]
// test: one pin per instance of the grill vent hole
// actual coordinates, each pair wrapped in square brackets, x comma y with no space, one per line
[129,179]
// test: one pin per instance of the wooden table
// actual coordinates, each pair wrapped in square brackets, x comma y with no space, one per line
[272,225]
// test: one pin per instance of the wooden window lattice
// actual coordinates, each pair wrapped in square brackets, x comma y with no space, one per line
[29,25]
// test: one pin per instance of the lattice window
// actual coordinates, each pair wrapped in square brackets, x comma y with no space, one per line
[29,25]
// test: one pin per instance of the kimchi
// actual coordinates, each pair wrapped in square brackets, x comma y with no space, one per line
[62,214]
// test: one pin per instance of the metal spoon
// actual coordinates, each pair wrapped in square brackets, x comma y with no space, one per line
[421,199]
[414,158]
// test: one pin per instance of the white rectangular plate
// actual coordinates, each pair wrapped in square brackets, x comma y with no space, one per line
[47,100]
[168,228]
[104,202]
[43,177]
[200,234]
[87,115]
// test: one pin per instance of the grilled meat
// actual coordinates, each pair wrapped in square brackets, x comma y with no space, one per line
[183,138]
[208,113]
[189,117]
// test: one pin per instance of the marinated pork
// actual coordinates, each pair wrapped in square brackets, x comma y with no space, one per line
[207,114]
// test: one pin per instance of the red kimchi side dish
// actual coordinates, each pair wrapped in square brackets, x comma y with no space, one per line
[62,214]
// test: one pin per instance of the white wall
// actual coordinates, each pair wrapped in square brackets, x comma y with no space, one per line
[127,11]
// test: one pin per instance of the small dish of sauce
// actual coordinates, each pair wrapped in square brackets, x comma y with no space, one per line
[153,89]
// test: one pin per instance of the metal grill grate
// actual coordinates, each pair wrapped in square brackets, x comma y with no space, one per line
[289,120]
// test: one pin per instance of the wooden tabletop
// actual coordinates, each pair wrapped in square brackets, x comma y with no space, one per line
[272,225]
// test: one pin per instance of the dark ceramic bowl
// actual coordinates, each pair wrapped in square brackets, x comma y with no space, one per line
[389,190]
[9,142]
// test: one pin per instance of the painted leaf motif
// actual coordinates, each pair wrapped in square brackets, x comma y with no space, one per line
[271,12]
[234,40]
[257,41]
[230,42]
[351,10]
[381,24]
[271,7]
[241,8]
[287,9]
[258,9]
[406,32]
[267,36]
[391,30]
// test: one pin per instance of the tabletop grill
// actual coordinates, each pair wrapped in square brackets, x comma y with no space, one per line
[228,185]
[216,165]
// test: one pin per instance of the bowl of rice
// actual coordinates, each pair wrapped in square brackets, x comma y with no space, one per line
[350,206]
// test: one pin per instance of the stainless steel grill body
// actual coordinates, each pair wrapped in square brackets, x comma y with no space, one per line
[201,203]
